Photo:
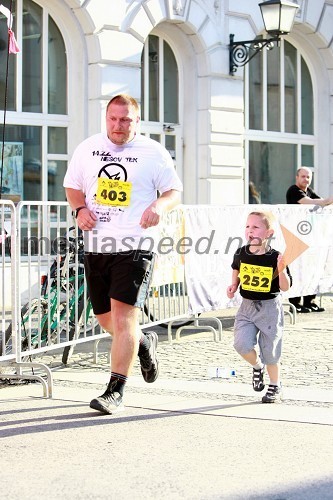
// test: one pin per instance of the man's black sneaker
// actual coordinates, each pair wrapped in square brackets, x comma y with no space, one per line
[301,309]
[315,308]
[258,379]
[148,359]
[109,402]
[273,394]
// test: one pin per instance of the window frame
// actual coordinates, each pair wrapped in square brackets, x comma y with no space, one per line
[42,119]
[264,135]
[160,127]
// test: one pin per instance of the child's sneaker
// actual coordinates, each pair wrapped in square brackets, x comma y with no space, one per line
[258,379]
[273,394]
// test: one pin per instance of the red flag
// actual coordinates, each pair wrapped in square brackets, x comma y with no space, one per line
[12,47]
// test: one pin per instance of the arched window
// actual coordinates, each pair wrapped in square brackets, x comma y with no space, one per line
[279,122]
[36,118]
[160,96]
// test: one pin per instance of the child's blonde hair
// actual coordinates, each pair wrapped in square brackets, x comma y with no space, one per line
[267,218]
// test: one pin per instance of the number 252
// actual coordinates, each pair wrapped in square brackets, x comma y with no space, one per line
[255,281]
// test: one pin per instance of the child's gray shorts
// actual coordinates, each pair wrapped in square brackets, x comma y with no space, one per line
[260,321]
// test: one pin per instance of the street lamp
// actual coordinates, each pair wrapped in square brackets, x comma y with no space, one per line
[278,17]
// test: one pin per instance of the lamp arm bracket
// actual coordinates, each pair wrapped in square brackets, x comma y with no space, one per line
[240,53]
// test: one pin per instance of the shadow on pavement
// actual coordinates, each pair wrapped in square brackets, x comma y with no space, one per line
[74,420]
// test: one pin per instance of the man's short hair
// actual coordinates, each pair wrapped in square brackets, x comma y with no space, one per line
[303,168]
[125,100]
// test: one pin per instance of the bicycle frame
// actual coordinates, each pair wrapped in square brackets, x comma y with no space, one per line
[58,307]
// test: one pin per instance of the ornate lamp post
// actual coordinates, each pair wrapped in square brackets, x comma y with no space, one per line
[278,17]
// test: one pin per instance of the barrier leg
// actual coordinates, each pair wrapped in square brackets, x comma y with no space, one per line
[96,344]
[217,333]
[171,322]
[292,314]
[47,384]
[96,351]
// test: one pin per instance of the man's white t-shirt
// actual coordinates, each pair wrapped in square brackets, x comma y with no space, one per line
[119,183]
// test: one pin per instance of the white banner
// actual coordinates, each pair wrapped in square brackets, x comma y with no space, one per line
[213,234]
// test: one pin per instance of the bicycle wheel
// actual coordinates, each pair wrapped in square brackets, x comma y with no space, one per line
[69,349]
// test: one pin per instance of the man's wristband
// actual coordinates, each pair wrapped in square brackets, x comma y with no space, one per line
[77,210]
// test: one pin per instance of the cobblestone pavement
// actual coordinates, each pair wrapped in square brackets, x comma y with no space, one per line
[307,360]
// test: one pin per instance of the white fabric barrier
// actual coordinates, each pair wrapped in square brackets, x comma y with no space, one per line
[213,234]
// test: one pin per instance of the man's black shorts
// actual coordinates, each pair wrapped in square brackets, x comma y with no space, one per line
[123,276]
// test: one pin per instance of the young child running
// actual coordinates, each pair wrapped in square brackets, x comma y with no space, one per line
[262,275]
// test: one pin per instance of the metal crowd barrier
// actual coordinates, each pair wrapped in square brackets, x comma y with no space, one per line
[44,300]
[10,335]
[8,271]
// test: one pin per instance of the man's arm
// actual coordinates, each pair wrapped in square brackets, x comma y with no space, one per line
[75,198]
[306,200]
[86,219]
[167,201]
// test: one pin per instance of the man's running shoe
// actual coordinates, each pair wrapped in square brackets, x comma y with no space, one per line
[109,402]
[273,394]
[258,379]
[148,359]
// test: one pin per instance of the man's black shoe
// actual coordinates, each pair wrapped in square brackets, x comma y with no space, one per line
[301,309]
[148,359]
[315,308]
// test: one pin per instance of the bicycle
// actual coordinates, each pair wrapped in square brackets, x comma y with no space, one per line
[62,301]
[81,317]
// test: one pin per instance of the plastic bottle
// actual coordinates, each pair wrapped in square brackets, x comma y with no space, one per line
[219,372]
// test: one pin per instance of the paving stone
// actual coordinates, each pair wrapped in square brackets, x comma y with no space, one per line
[307,359]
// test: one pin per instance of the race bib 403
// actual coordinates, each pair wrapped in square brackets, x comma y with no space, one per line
[255,278]
[113,193]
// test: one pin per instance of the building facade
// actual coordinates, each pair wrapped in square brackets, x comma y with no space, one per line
[225,132]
